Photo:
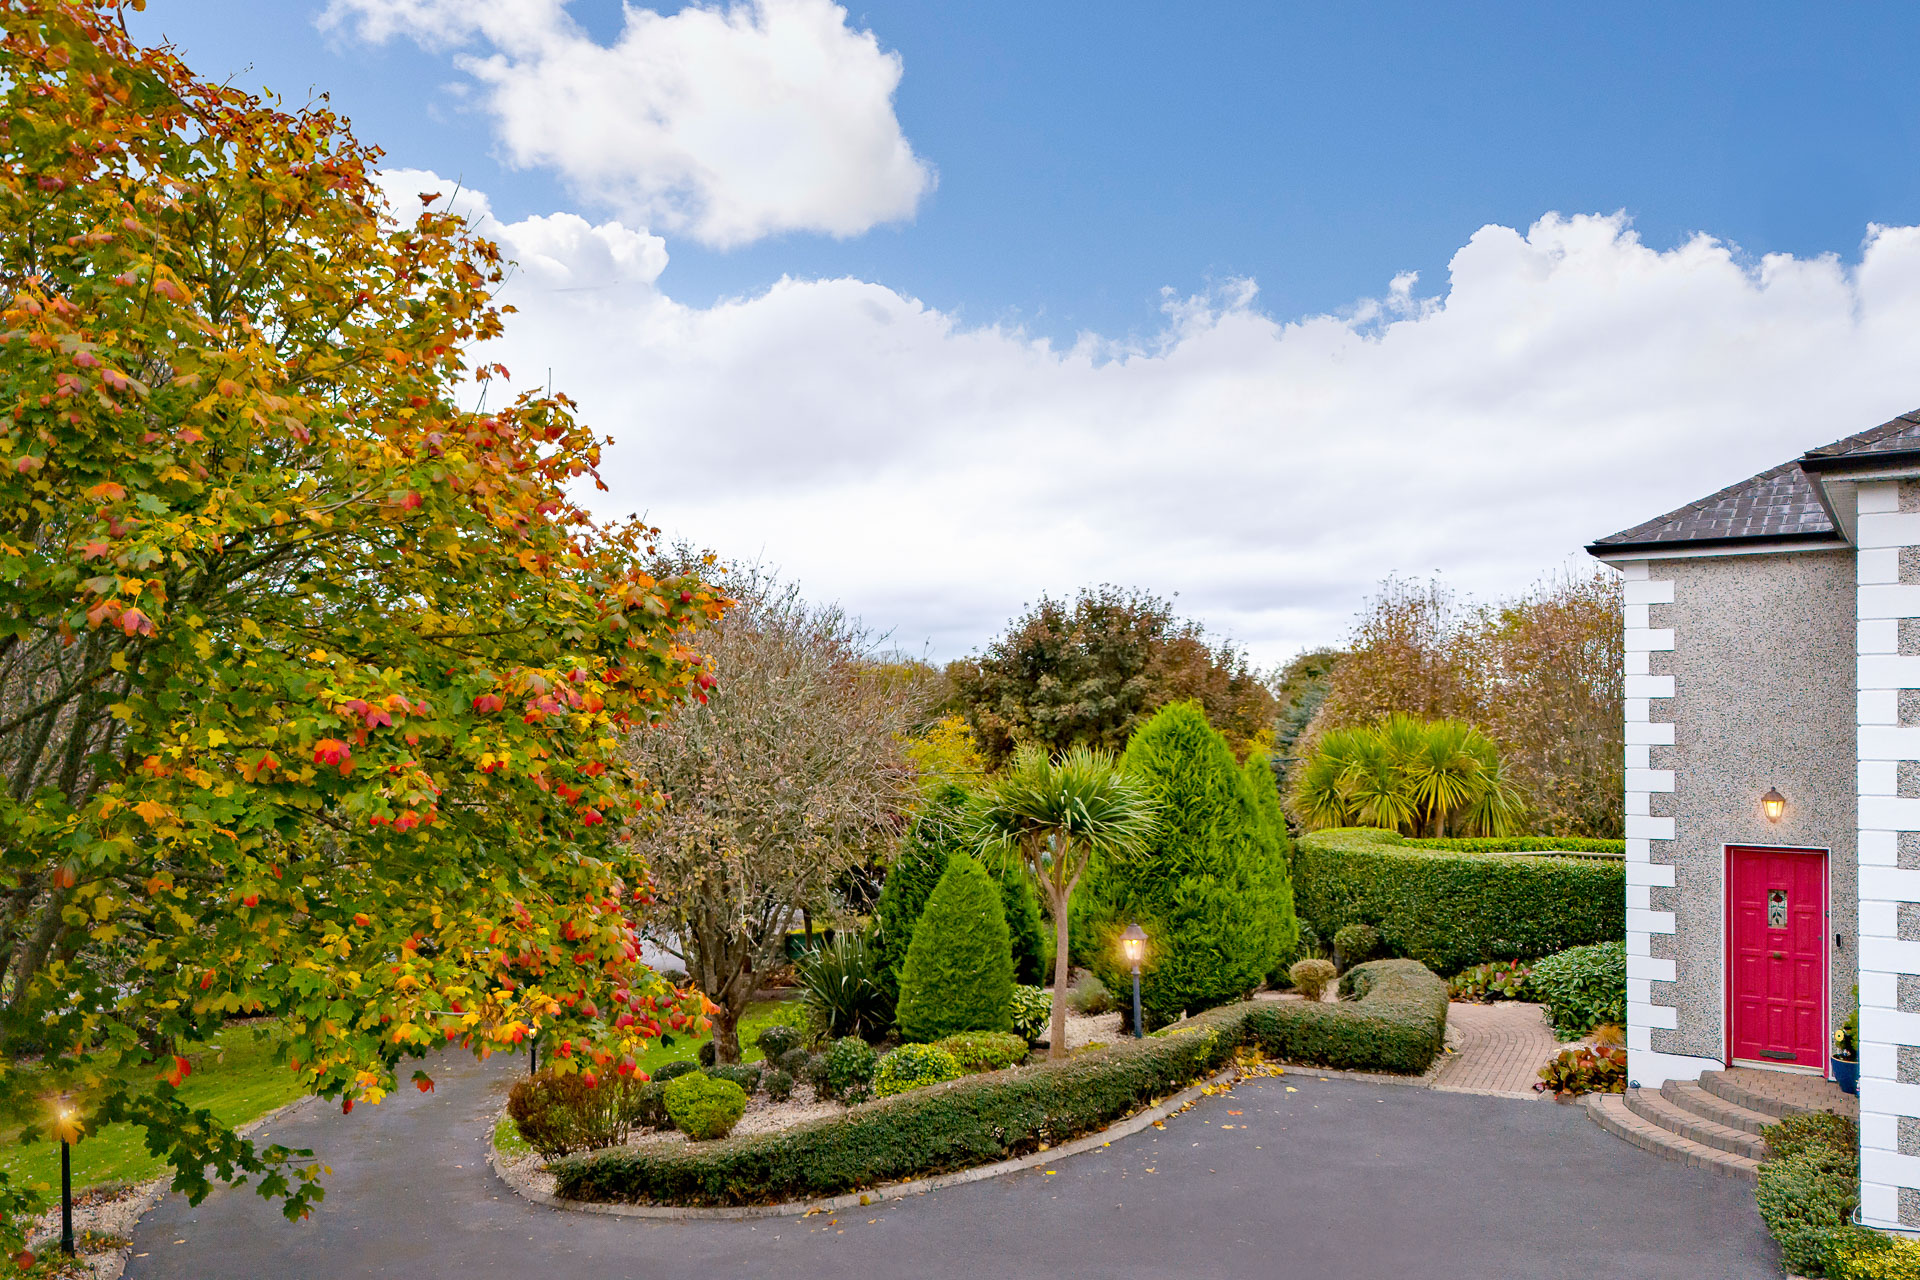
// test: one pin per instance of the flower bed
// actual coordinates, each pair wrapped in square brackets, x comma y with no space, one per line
[1396,1021]
[1454,907]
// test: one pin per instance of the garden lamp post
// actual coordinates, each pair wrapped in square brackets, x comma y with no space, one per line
[1133,944]
[63,1112]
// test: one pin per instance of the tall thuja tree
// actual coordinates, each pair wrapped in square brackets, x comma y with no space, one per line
[1210,886]
[959,970]
[1273,827]
[311,678]
[939,831]
[1057,815]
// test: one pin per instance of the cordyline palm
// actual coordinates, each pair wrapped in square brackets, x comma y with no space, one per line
[1439,777]
[1056,816]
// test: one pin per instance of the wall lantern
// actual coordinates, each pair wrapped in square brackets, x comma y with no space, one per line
[1773,804]
[1133,945]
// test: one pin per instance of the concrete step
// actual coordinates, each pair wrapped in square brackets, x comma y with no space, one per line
[1657,1108]
[1689,1096]
[1610,1112]
[1777,1093]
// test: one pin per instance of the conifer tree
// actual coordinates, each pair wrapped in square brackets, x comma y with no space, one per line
[959,970]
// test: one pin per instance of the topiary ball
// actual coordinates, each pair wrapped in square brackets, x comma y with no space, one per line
[776,1040]
[913,1066]
[1356,943]
[744,1074]
[1312,977]
[794,1062]
[779,1085]
[704,1108]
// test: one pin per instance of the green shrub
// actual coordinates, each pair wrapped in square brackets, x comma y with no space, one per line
[1088,997]
[779,1085]
[776,1040]
[959,972]
[709,1054]
[1809,1131]
[1261,780]
[1451,908]
[1807,1201]
[704,1108]
[1312,977]
[1583,987]
[1356,943]
[1211,887]
[794,1062]
[1585,1069]
[986,1050]
[1496,980]
[846,1072]
[744,1074]
[1396,1023]
[1524,844]
[1859,1254]
[1031,1009]
[912,1066]
[675,1069]
[937,834]
[842,985]
[558,1114]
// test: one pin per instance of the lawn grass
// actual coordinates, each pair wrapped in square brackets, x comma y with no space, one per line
[235,1077]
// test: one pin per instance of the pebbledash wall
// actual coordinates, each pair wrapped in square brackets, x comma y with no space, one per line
[1739,676]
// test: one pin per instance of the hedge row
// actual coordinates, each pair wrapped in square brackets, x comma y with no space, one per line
[1397,1023]
[1525,844]
[1452,908]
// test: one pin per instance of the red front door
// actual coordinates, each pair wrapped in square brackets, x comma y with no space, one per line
[1777,933]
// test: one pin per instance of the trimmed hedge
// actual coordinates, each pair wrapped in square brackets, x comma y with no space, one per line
[1524,844]
[1396,1023]
[1452,908]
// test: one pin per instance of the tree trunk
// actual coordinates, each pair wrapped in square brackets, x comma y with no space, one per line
[726,1032]
[1057,1036]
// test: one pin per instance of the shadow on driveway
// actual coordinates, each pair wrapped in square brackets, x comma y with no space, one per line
[1321,1180]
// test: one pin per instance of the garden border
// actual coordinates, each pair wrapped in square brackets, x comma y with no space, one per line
[1125,1127]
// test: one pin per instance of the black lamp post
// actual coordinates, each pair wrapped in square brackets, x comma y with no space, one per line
[1133,944]
[65,1113]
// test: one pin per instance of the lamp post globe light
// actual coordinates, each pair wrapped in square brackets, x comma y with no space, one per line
[1133,945]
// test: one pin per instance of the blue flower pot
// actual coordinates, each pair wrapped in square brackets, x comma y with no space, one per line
[1846,1074]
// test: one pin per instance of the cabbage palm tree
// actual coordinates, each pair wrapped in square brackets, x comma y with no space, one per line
[1056,815]
[1438,777]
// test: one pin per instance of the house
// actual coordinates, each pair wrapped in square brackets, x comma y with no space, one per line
[1773,786]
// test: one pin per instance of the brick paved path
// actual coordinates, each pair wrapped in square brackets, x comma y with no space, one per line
[1500,1048]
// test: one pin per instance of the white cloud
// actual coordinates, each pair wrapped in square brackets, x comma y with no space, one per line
[1570,382]
[727,124]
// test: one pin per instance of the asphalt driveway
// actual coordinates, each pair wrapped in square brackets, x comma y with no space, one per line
[1321,1180]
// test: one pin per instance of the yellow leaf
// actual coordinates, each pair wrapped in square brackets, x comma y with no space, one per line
[215,738]
[151,811]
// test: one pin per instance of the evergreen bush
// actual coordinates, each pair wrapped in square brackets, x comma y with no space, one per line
[1032,1007]
[986,1050]
[959,970]
[776,1040]
[936,835]
[1583,987]
[1211,889]
[779,1085]
[703,1107]
[846,1069]
[913,1066]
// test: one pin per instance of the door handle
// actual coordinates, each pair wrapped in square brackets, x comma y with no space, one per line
[1779,955]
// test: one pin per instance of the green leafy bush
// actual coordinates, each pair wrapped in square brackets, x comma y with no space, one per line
[744,1074]
[1524,844]
[846,1072]
[959,972]
[1495,980]
[936,835]
[843,989]
[704,1108]
[986,1050]
[913,1065]
[1088,997]
[1585,1069]
[1583,987]
[1808,1191]
[779,1085]
[675,1069]
[1211,888]
[1396,1022]
[558,1114]
[1312,977]
[776,1040]
[1450,908]
[794,1062]
[1030,1010]
[1356,943]
[1858,1254]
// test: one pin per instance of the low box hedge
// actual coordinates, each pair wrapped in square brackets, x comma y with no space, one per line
[1397,1022]
[1450,908]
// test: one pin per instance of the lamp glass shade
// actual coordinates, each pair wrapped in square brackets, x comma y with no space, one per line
[1133,944]
[1773,804]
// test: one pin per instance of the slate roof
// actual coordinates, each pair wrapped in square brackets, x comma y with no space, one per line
[1775,506]
[1781,505]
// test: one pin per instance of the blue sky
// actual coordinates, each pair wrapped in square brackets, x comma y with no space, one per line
[1054,214]
[1091,154]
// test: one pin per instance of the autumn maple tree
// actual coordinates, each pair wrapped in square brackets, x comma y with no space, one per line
[313,674]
